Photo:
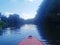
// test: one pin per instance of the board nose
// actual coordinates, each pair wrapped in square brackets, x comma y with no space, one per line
[31,40]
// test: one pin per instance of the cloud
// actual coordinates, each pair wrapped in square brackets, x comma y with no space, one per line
[7,14]
[30,0]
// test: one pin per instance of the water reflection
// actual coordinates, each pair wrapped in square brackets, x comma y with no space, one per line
[13,37]
[30,29]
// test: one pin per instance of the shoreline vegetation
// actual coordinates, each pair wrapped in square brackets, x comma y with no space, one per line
[11,21]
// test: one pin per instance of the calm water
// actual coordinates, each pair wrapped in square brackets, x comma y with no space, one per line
[13,37]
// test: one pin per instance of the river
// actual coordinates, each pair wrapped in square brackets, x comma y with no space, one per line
[13,37]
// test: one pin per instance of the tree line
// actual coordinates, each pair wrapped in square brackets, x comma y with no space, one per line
[48,17]
[12,21]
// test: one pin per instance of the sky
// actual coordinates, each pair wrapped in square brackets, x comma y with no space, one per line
[25,8]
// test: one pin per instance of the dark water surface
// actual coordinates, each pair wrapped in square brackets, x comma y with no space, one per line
[13,37]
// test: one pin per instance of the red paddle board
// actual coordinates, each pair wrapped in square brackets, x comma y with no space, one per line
[31,41]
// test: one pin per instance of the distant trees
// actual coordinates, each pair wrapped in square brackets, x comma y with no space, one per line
[3,21]
[12,21]
[2,24]
[29,21]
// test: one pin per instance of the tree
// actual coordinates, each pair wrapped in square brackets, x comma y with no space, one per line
[49,20]
[2,24]
[15,21]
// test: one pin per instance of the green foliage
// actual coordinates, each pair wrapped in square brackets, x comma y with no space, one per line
[2,24]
